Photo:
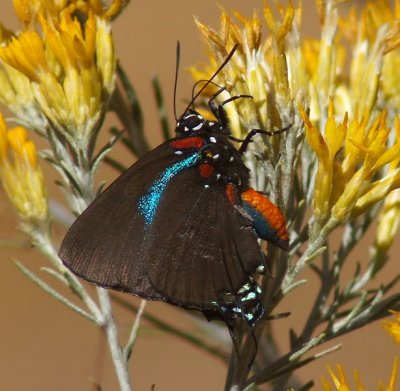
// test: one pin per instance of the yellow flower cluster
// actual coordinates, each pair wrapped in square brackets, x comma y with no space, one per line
[16,92]
[372,46]
[342,384]
[350,154]
[258,68]
[388,222]
[29,10]
[57,74]
[65,69]
[21,176]
[353,151]
[393,326]
[374,38]
[345,126]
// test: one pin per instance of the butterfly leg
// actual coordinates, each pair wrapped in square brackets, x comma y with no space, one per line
[253,132]
[219,111]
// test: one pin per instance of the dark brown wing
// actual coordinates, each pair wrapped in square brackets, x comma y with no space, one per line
[104,244]
[200,247]
[160,233]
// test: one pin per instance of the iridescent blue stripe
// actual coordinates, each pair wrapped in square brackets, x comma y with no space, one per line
[148,204]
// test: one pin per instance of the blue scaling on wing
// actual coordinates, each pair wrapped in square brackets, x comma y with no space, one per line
[148,203]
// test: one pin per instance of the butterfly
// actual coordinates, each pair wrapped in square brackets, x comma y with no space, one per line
[182,224]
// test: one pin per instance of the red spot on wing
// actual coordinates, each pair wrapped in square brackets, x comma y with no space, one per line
[188,143]
[206,170]
[230,193]
[269,211]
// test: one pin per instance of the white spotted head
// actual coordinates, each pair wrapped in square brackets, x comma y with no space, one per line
[192,123]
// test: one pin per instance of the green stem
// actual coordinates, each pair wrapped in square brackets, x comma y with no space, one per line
[134,331]
[41,239]
[120,363]
[173,330]
[313,250]
[78,172]
[53,293]
[162,111]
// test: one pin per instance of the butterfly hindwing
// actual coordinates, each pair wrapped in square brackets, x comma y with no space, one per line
[200,246]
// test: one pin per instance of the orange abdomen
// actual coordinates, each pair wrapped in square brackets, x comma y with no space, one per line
[268,219]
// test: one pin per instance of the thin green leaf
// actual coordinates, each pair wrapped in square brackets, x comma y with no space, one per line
[162,112]
[137,112]
[115,164]
[52,292]
[125,140]
[306,386]
[130,115]
[104,151]
[54,273]
[134,331]
[172,329]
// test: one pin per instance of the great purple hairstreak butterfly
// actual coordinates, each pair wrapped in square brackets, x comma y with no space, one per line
[182,224]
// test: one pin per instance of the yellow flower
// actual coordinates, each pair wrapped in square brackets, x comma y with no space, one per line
[21,176]
[345,127]
[381,30]
[29,10]
[281,73]
[393,326]
[393,378]
[16,92]
[269,70]
[375,40]
[324,61]
[342,384]
[70,64]
[373,53]
[388,222]
[339,381]
[350,156]
[326,150]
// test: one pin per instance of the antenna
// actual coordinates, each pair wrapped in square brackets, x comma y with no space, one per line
[203,81]
[178,57]
[209,81]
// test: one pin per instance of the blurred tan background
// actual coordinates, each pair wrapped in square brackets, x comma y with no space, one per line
[46,347]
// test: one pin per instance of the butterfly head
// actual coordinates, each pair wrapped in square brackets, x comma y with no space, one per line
[191,123]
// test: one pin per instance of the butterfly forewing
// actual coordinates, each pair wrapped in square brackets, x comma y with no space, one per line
[104,244]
